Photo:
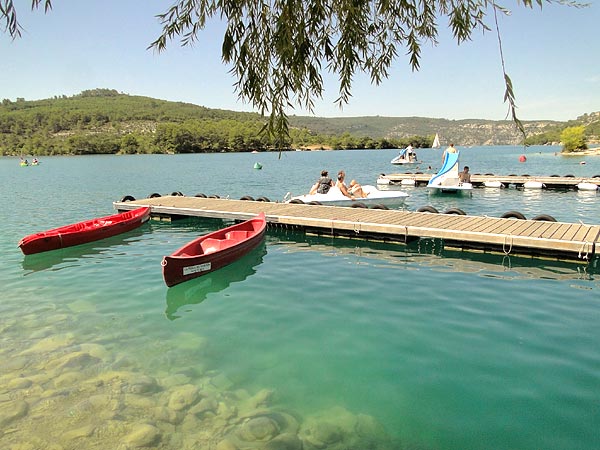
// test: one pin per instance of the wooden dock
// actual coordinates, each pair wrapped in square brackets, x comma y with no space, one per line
[478,180]
[555,240]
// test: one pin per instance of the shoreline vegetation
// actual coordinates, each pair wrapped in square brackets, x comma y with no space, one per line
[104,121]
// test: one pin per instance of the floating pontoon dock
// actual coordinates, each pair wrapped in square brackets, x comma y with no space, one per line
[556,240]
[478,180]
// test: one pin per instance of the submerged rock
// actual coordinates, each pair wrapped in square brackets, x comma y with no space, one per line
[226,445]
[143,435]
[261,428]
[11,411]
[51,343]
[339,429]
[183,397]
[207,404]
[286,441]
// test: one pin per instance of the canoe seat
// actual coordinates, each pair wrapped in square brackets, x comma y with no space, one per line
[211,245]
[237,235]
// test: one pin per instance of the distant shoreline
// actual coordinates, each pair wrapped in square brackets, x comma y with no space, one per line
[589,152]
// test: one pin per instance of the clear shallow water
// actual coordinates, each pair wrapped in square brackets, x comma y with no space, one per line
[446,350]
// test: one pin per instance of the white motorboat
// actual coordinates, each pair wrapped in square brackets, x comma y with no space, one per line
[446,181]
[335,197]
[406,156]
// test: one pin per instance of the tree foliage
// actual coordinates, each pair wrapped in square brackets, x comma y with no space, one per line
[573,139]
[103,121]
[278,50]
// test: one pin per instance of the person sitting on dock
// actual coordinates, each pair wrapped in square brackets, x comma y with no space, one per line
[464,176]
[322,185]
[357,190]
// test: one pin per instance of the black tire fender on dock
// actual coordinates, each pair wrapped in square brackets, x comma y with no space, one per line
[544,217]
[428,209]
[154,195]
[247,197]
[379,206]
[456,211]
[569,175]
[214,196]
[297,201]
[262,199]
[200,195]
[128,198]
[358,205]
[177,194]
[315,202]
[513,215]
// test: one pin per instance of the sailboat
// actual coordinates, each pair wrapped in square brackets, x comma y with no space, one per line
[436,141]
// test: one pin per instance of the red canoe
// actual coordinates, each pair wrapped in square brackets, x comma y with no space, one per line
[82,232]
[213,251]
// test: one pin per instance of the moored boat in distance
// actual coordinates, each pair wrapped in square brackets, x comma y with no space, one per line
[85,231]
[406,156]
[213,250]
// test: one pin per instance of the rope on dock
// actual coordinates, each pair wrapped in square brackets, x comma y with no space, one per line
[504,244]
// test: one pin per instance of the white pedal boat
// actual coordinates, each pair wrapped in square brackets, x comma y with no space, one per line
[335,198]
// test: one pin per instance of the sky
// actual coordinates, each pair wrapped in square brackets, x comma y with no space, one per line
[551,54]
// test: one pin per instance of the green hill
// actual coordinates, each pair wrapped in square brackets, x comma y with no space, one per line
[462,132]
[106,121]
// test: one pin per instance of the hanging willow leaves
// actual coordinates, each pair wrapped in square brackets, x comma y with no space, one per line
[278,50]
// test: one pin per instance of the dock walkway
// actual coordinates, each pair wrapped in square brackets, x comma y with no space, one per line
[478,180]
[556,240]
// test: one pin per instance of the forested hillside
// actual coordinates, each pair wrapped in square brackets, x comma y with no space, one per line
[106,121]
[461,132]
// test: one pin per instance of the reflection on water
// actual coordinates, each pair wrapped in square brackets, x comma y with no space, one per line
[586,197]
[432,253]
[195,291]
[70,256]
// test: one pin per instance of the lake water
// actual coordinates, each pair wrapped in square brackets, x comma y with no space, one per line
[306,343]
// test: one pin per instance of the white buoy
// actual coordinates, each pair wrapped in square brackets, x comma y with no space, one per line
[383,181]
[533,185]
[407,182]
[493,184]
[587,187]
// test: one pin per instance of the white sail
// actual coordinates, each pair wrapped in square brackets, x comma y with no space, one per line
[436,141]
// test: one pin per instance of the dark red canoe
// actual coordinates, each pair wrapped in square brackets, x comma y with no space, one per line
[213,250]
[82,232]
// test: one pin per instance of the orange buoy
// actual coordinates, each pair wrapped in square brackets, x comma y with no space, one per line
[522,158]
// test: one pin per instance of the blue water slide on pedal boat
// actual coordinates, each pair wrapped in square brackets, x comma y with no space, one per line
[446,181]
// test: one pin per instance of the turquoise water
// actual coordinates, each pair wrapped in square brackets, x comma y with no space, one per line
[323,343]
